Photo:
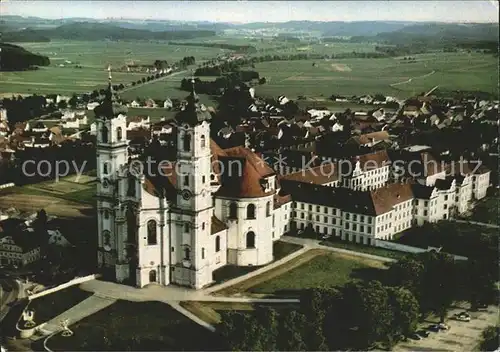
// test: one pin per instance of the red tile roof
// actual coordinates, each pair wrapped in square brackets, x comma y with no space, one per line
[319,175]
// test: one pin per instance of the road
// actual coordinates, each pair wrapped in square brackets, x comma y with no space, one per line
[152,81]
[491,226]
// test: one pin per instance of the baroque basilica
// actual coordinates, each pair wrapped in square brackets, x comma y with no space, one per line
[208,208]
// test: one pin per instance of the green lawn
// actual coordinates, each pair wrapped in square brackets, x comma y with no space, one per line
[51,305]
[451,71]
[328,270]
[94,57]
[132,326]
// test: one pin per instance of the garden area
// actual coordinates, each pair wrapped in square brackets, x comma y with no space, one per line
[134,326]
[324,271]
[50,306]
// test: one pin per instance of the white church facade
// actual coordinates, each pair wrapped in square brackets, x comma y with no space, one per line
[187,218]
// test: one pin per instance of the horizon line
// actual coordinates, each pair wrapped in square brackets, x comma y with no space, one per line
[250,22]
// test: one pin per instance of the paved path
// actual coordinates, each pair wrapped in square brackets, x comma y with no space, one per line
[311,243]
[191,316]
[430,92]
[87,307]
[491,226]
[411,79]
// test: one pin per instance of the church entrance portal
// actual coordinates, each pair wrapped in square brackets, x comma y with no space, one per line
[152,276]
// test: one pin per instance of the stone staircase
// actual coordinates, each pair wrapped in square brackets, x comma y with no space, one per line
[87,307]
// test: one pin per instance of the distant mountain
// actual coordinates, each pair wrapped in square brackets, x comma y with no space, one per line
[15,58]
[101,31]
[27,35]
[443,33]
[333,28]
[390,31]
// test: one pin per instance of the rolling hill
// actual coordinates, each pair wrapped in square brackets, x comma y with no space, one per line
[15,58]
[91,31]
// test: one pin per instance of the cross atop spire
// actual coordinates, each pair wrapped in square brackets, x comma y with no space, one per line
[192,99]
[109,75]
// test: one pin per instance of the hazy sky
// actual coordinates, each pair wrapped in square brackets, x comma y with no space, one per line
[256,11]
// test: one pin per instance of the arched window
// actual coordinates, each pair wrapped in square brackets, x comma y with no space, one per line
[187,253]
[251,211]
[251,239]
[233,210]
[202,141]
[131,187]
[152,232]
[203,226]
[105,168]
[187,142]
[106,236]
[119,133]
[268,209]
[104,134]
[217,244]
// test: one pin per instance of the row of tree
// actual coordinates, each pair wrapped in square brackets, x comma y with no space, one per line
[221,83]
[248,49]
[362,315]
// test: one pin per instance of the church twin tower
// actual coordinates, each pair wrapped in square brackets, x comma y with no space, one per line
[148,232]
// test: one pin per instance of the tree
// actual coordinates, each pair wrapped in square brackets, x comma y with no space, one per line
[480,283]
[292,324]
[439,283]
[407,272]
[267,323]
[405,310]
[73,101]
[63,104]
[490,337]
[314,305]
[370,311]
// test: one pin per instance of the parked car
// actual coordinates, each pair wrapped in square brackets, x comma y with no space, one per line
[443,326]
[482,306]
[463,316]
[434,328]
[423,333]
[416,337]
[325,237]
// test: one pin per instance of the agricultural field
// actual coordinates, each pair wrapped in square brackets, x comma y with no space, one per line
[389,76]
[327,48]
[258,43]
[68,197]
[94,58]
[165,88]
